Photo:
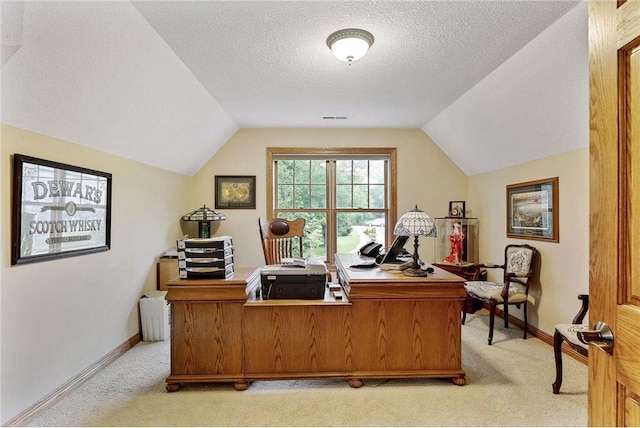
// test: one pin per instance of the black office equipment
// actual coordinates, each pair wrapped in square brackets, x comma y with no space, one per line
[289,282]
[396,249]
[366,265]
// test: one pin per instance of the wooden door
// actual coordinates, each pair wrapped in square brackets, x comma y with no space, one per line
[614,280]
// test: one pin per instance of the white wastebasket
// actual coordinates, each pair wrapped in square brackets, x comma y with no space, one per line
[154,316]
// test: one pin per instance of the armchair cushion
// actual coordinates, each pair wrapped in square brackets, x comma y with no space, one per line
[570,332]
[519,261]
[493,290]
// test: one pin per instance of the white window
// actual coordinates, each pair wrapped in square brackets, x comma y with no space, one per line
[345,195]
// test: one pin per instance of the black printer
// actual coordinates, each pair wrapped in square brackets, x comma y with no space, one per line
[305,279]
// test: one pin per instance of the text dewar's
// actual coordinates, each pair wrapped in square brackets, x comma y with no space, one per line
[57,188]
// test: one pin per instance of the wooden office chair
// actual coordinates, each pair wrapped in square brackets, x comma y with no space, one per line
[281,238]
[513,290]
[569,333]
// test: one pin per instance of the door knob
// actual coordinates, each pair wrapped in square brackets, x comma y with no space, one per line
[601,336]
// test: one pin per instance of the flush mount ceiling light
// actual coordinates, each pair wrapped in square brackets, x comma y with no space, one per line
[350,44]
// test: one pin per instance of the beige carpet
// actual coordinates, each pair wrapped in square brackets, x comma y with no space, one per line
[508,384]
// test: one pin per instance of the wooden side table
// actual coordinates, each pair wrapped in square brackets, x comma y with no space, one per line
[166,270]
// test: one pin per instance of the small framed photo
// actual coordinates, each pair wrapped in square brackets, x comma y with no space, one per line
[456,209]
[532,210]
[58,210]
[235,192]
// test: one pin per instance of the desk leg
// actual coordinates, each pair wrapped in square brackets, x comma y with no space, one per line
[241,386]
[355,383]
[173,387]
[460,380]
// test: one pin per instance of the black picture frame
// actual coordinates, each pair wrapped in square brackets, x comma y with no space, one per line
[235,192]
[533,210]
[58,210]
[456,209]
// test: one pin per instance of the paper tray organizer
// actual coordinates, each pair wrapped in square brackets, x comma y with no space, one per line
[205,257]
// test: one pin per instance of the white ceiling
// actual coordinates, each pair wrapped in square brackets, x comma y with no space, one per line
[167,83]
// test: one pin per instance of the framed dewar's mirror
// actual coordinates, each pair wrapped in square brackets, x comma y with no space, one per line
[58,210]
[533,211]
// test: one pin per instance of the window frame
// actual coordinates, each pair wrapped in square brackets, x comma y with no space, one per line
[344,152]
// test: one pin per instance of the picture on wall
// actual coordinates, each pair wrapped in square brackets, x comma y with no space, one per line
[235,192]
[58,210]
[456,209]
[532,210]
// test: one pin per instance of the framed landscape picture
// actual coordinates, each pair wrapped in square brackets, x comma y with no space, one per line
[532,210]
[235,192]
[58,210]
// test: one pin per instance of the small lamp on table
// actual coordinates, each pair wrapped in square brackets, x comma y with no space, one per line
[415,223]
[204,216]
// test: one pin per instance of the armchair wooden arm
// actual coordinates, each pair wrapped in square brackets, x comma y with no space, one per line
[583,309]
[491,266]
[521,278]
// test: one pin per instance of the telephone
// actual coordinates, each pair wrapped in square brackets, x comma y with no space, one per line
[372,249]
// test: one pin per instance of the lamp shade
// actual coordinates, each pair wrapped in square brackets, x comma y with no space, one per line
[203,213]
[415,223]
[350,44]
[203,216]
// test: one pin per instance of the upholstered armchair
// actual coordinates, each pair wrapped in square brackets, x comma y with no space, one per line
[569,333]
[513,290]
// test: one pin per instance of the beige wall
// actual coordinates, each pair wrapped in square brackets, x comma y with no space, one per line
[426,176]
[564,271]
[59,317]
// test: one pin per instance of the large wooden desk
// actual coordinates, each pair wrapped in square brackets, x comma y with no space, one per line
[404,326]
[388,326]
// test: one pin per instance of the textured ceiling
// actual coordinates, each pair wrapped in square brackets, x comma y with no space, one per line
[143,79]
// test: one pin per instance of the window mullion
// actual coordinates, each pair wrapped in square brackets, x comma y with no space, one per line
[353,187]
[293,185]
[309,184]
[387,200]
[369,185]
[332,230]
[276,190]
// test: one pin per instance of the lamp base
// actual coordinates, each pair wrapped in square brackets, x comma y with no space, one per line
[415,272]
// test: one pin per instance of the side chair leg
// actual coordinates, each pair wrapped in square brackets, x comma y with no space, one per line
[557,352]
[464,316]
[506,315]
[526,323]
[492,316]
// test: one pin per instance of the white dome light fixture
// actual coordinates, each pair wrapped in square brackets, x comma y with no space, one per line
[350,44]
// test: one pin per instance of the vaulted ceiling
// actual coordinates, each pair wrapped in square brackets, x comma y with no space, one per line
[167,83]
